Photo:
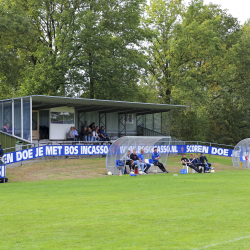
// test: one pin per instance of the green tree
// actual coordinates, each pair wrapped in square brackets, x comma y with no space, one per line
[16,38]
[85,48]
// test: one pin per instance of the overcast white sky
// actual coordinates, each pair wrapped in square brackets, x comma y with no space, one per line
[238,8]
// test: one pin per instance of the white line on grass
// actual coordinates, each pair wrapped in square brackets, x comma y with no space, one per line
[241,238]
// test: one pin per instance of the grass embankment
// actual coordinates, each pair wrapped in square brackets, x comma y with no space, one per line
[157,211]
[86,168]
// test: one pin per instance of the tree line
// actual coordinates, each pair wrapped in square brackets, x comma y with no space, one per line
[160,51]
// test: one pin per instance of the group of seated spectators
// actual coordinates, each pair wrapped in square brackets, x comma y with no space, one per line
[88,133]
[133,160]
[195,162]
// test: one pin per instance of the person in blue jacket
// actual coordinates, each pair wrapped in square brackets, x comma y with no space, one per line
[156,156]
[197,163]
[142,161]
[203,159]
[1,152]
[103,136]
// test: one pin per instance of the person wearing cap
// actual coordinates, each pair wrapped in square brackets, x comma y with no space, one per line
[156,156]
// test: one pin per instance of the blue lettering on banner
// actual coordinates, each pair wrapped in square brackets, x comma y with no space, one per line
[67,150]
[55,150]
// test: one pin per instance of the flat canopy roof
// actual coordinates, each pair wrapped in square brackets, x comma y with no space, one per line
[104,106]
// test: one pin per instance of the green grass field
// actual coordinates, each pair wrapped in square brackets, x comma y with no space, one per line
[157,211]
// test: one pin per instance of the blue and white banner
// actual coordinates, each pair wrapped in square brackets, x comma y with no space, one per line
[2,171]
[55,150]
[68,150]
[178,149]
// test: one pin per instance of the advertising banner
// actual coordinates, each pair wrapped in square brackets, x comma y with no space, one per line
[2,171]
[70,150]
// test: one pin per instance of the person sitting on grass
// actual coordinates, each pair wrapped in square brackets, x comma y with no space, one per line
[127,160]
[198,164]
[203,158]
[156,156]
[190,163]
[136,161]
[142,161]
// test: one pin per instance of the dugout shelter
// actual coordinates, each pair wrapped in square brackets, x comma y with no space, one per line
[241,154]
[125,143]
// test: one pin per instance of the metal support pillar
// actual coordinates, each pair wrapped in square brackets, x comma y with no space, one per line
[2,115]
[13,118]
[80,123]
[161,122]
[121,125]
[102,120]
[30,119]
[169,122]
[21,117]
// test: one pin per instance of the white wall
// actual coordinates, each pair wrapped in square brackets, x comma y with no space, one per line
[59,131]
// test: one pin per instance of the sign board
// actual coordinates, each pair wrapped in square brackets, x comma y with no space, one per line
[2,171]
[69,150]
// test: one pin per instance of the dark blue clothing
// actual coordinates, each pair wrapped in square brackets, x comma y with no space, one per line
[102,132]
[155,155]
[1,152]
[196,161]
[203,159]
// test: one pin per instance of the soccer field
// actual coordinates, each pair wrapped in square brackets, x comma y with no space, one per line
[158,211]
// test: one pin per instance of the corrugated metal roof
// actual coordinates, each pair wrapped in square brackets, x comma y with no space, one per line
[106,106]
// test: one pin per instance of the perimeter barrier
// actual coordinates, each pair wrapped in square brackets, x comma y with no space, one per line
[30,152]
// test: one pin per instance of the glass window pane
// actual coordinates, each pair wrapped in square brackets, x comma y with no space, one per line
[62,117]
[34,120]
[26,119]
[7,117]
[68,118]
[17,118]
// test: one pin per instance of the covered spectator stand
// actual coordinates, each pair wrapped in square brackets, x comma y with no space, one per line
[241,154]
[125,143]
